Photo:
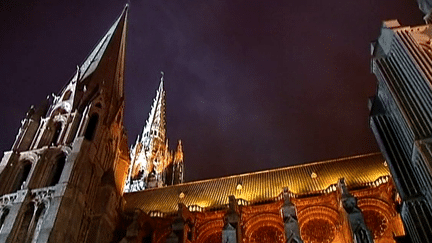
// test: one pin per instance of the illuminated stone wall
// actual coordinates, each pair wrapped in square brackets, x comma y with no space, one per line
[320,218]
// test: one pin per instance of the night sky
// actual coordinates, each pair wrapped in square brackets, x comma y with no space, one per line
[250,85]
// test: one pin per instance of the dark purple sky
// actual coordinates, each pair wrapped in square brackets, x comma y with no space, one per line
[251,85]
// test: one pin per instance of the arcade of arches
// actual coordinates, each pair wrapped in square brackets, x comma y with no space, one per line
[320,219]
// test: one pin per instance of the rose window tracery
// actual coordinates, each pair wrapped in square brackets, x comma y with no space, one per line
[318,231]
[266,234]
[376,222]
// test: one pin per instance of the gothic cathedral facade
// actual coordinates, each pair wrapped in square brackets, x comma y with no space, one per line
[63,179]
[70,176]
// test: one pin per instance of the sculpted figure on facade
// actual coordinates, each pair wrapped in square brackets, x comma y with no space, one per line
[359,231]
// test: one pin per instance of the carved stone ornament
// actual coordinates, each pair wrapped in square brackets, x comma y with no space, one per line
[7,200]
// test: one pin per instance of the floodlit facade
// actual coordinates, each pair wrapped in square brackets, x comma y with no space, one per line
[70,176]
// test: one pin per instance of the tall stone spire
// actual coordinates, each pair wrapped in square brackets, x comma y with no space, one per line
[55,167]
[153,163]
[155,128]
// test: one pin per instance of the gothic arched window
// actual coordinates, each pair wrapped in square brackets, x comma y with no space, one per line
[56,171]
[25,223]
[34,229]
[57,131]
[21,177]
[91,127]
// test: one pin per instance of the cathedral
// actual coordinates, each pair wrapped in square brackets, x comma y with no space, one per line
[71,177]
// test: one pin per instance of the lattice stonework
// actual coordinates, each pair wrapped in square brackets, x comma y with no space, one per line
[376,222]
[264,225]
[266,234]
[209,230]
[318,230]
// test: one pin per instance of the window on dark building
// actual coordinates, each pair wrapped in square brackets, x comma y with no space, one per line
[22,175]
[34,228]
[91,127]
[57,131]
[25,223]
[57,171]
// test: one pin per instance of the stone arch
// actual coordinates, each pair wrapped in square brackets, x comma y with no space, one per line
[56,169]
[37,221]
[264,225]
[22,174]
[60,109]
[377,215]
[24,170]
[318,224]
[207,230]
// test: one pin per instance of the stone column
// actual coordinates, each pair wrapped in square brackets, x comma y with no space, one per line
[359,232]
[289,215]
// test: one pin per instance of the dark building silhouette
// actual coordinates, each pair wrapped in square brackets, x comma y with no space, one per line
[401,119]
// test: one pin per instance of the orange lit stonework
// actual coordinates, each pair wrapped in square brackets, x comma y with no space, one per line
[320,217]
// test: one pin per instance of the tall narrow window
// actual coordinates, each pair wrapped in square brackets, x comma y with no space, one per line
[25,223]
[36,224]
[22,175]
[56,171]
[91,127]
[4,214]
[57,131]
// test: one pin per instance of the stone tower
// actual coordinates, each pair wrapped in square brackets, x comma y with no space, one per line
[153,164]
[63,179]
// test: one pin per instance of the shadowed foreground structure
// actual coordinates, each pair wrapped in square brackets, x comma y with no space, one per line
[70,176]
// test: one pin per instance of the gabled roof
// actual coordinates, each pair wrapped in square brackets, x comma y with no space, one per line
[312,178]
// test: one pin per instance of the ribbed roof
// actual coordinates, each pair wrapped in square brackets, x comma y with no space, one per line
[263,185]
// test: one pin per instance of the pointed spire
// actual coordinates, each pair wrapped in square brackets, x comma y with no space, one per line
[102,71]
[153,163]
[114,34]
[156,122]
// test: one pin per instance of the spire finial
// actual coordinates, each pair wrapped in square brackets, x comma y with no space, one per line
[162,79]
